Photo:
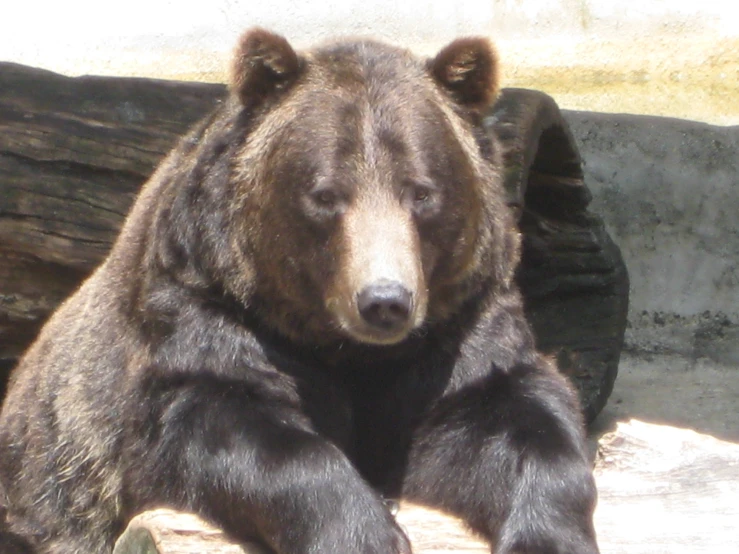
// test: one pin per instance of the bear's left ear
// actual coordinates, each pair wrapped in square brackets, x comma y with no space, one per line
[468,69]
[263,64]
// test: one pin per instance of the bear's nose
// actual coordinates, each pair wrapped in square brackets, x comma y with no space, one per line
[386,305]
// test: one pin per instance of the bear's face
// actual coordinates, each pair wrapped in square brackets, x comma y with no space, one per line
[365,207]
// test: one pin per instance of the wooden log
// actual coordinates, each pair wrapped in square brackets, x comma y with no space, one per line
[165,531]
[74,152]
[664,490]
[73,155]
[572,276]
[661,490]
[434,532]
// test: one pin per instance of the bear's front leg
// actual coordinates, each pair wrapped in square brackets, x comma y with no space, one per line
[247,459]
[507,453]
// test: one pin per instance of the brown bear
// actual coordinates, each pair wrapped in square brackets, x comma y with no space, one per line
[310,308]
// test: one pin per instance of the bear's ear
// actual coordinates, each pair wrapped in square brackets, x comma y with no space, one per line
[263,63]
[468,69]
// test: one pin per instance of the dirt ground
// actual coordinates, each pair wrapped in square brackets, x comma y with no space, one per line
[672,390]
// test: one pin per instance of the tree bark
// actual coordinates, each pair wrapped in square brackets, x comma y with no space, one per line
[573,279]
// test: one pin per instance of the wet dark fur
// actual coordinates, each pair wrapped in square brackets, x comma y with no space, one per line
[199,366]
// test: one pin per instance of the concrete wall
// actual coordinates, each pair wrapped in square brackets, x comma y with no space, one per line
[666,57]
[668,191]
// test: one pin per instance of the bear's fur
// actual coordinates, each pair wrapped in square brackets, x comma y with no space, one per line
[311,305]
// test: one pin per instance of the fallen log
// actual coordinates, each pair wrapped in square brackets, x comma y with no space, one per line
[661,490]
[572,276]
[666,490]
[73,155]
[75,151]
[165,531]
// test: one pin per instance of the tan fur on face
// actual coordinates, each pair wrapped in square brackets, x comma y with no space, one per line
[380,243]
[375,237]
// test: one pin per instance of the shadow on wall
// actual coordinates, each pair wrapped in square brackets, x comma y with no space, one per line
[670,389]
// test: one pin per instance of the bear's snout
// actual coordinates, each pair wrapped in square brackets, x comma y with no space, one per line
[386,305]
[378,294]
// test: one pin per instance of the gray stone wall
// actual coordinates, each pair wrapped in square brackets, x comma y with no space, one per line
[668,191]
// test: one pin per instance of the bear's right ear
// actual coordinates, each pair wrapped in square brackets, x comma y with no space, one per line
[468,69]
[263,63]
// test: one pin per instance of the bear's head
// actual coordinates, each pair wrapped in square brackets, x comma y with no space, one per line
[363,198]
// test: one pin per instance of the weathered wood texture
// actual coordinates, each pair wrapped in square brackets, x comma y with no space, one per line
[665,490]
[165,531]
[572,275]
[74,152]
[73,155]
[662,490]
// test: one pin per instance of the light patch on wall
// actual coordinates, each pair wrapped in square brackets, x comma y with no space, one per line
[661,57]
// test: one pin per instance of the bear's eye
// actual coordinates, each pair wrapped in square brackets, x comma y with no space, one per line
[421,198]
[324,202]
[418,194]
[325,198]
[421,195]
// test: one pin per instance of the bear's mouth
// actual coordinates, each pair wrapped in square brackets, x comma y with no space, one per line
[373,335]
